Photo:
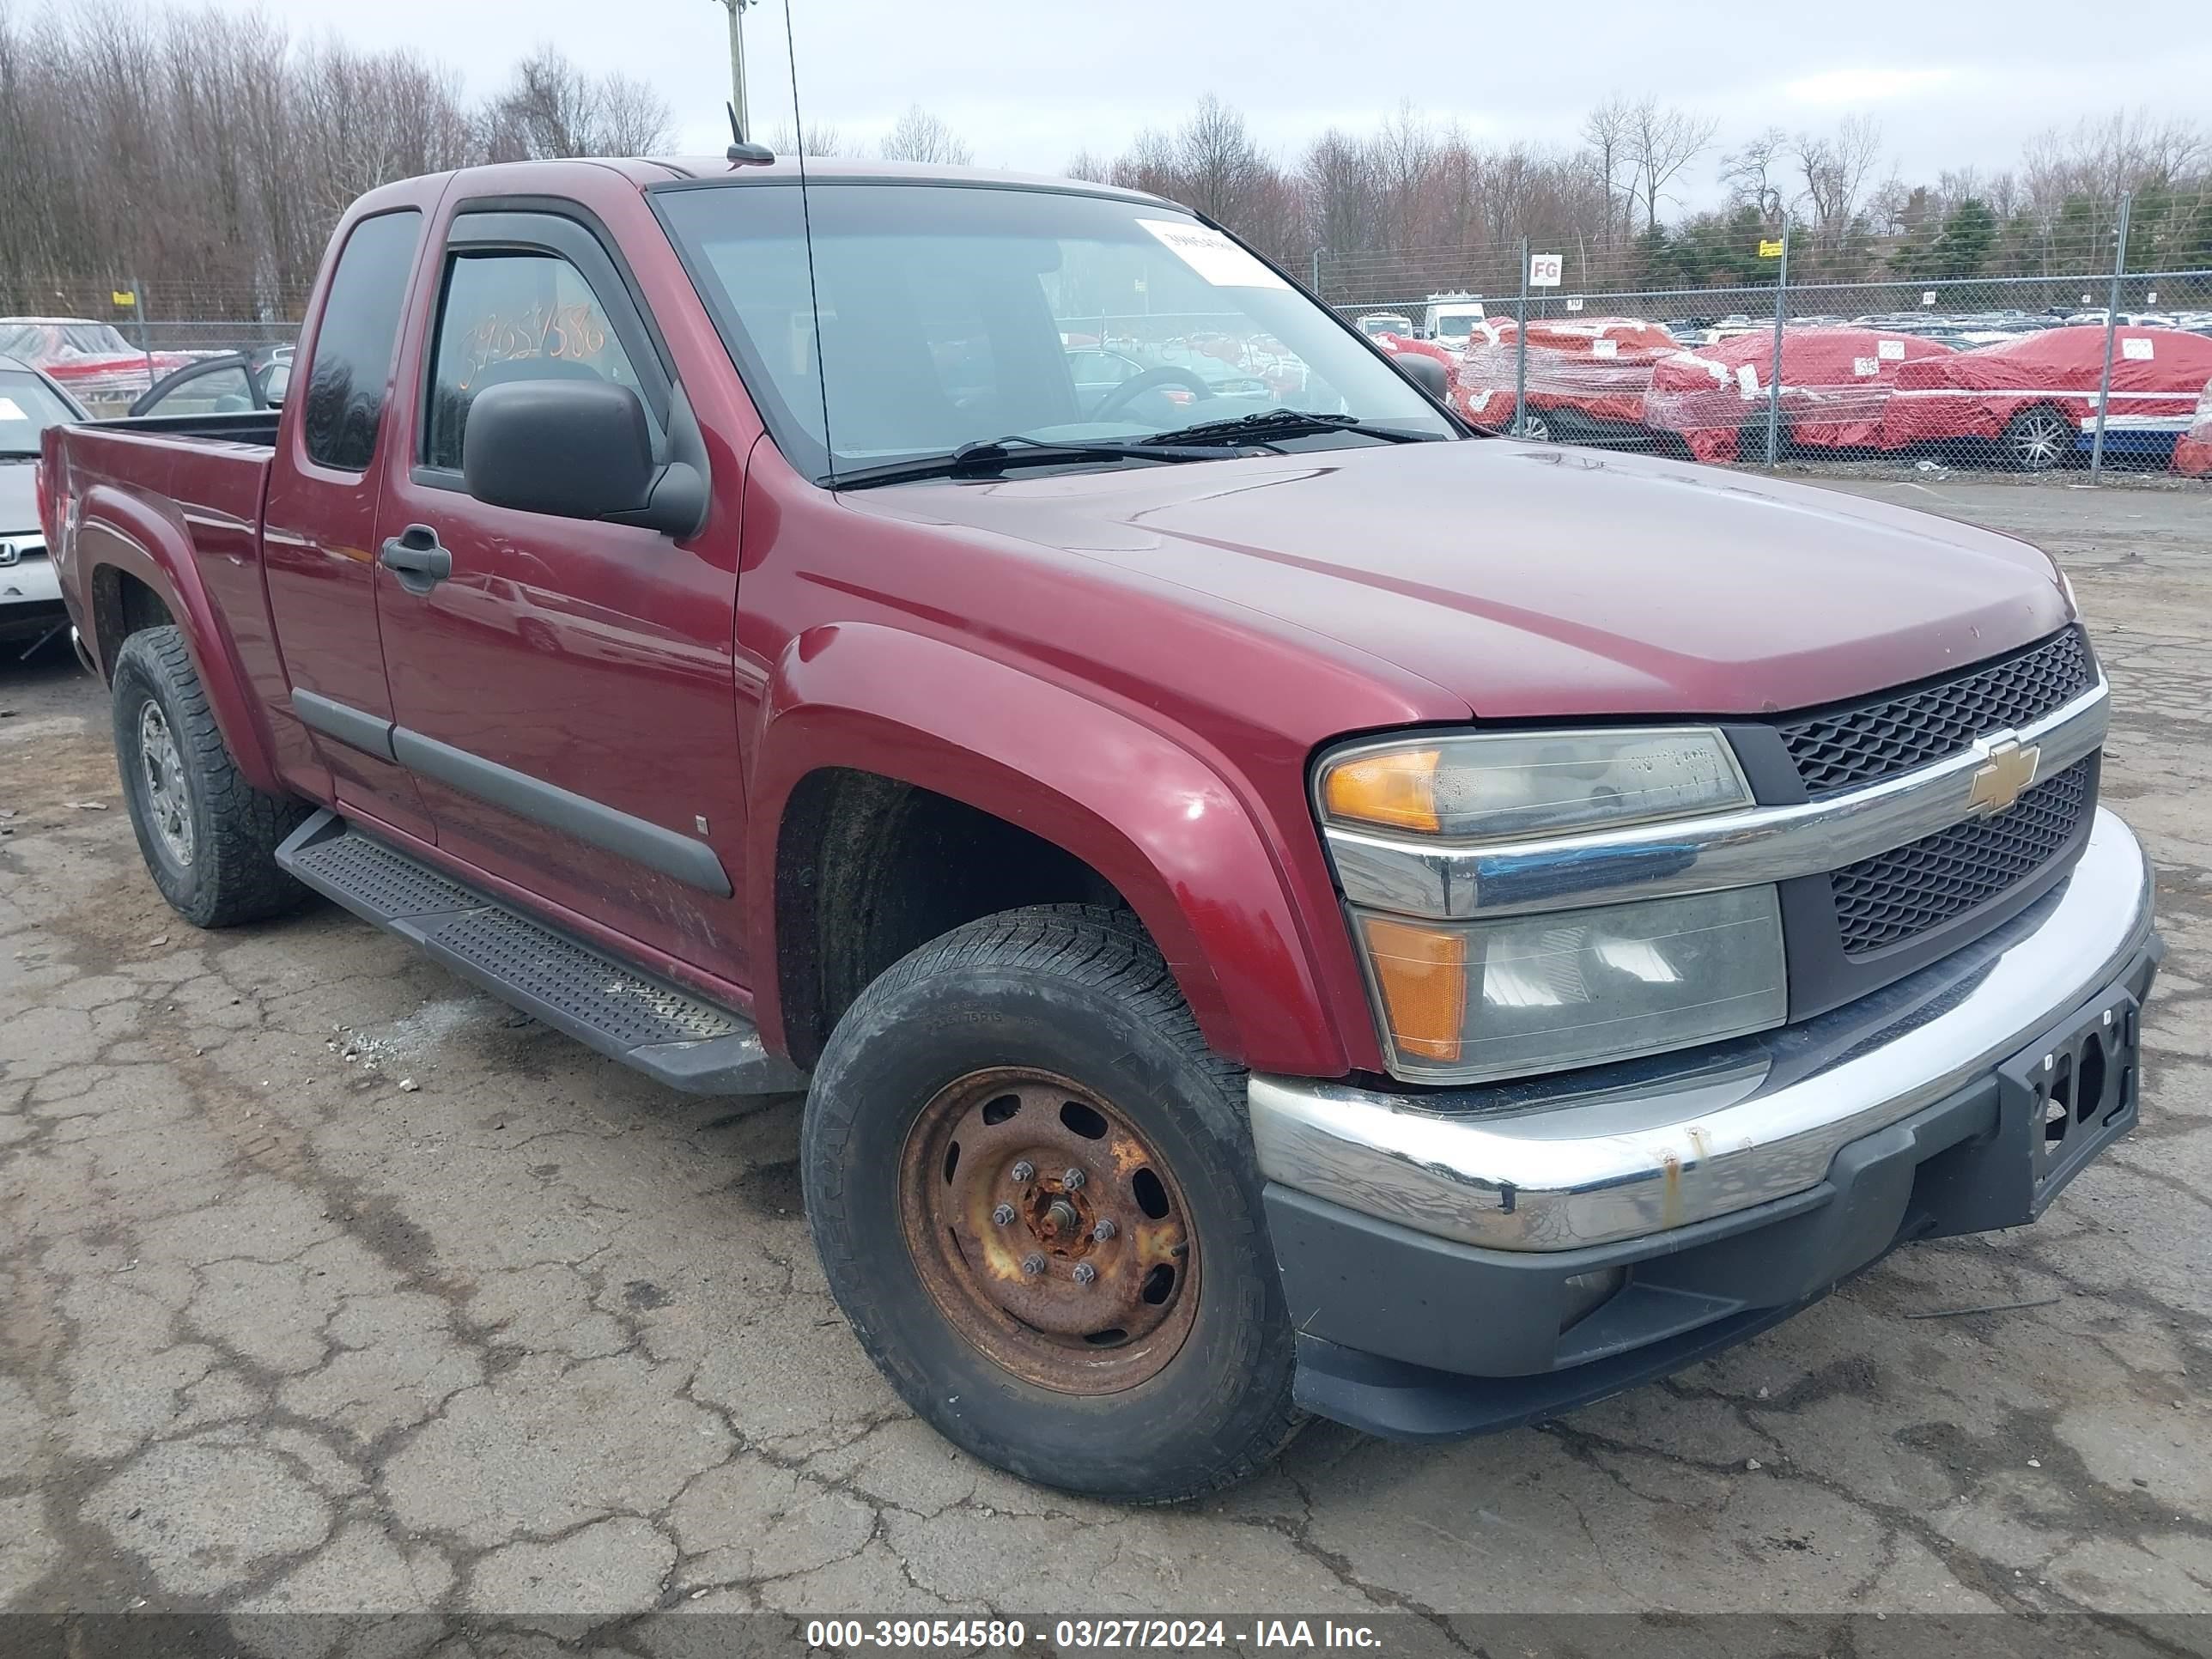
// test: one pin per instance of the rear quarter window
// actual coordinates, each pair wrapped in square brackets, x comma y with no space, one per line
[352,365]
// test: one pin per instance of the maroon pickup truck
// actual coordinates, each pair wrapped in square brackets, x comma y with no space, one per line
[1280,906]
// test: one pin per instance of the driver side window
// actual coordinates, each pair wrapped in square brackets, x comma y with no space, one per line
[512,316]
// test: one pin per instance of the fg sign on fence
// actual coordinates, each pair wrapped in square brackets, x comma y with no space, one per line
[1544,270]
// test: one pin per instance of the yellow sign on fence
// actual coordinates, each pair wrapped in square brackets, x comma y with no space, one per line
[1770,249]
[123,296]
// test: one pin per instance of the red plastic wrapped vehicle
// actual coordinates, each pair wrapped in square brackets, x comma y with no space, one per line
[2193,453]
[1586,377]
[1836,385]
[92,361]
[2036,397]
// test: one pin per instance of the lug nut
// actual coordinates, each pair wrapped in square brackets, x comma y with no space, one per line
[1032,1265]
[1105,1229]
[1085,1272]
[1073,1179]
[1004,1215]
[1023,1171]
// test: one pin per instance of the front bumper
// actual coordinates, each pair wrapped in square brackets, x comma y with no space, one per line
[1435,1247]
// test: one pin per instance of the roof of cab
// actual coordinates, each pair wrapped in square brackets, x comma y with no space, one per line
[647,171]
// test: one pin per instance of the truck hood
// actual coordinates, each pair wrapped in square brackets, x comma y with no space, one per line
[1532,580]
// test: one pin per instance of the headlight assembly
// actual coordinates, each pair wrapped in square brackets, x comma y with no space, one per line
[1465,998]
[1465,1001]
[1513,784]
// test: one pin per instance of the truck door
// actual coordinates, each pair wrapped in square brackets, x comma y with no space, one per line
[563,689]
[318,524]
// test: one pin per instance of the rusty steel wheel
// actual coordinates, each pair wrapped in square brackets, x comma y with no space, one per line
[1051,1235]
[1020,1158]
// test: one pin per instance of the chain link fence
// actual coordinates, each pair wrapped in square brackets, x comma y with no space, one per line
[109,338]
[2069,369]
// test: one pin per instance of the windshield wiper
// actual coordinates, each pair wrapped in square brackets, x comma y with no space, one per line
[996,454]
[1285,423]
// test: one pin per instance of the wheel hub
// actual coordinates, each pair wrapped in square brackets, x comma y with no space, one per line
[1048,1231]
[168,807]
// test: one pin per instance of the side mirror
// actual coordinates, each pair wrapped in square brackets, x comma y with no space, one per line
[1423,370]
[576,449]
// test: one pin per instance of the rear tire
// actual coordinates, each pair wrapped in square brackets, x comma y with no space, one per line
[1068,1014]
[208,837]
[2038,440]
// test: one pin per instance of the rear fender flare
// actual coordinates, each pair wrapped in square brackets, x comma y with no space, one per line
[120,532]
[1169,830]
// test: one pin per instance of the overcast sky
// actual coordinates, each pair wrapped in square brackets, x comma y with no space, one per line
[1029,84]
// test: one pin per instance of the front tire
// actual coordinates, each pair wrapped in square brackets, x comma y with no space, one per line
[1033,1192]
[208,837]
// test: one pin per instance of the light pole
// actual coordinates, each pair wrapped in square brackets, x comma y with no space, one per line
[737,10]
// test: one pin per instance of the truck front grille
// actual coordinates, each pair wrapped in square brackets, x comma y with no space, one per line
[1900,894]
[1862,743]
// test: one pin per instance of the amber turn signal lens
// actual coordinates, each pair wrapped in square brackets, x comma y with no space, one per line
[1398,789]
[1422,974]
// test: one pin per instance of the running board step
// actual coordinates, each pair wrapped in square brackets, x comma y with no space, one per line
[668,1034]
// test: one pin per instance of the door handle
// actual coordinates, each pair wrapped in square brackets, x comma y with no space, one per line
[416,559]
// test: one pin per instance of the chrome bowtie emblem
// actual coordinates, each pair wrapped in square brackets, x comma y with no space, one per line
[1998,784]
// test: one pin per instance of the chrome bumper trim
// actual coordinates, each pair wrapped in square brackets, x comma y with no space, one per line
[1735,849]
[1588,1158]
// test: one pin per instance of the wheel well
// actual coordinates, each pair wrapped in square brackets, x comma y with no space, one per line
[868,867]
[122,605]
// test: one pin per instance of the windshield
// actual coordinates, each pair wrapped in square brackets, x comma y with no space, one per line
[954,314]
[1457,324]
[27,407]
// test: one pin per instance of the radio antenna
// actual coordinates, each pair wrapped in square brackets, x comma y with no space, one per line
[806,225]
[743,152]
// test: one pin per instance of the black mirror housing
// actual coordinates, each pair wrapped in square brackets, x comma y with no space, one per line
[1425,372]
[575,449]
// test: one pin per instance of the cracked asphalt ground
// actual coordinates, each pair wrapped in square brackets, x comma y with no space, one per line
[331,1284]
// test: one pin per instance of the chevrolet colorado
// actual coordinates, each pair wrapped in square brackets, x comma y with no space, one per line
[1279,907]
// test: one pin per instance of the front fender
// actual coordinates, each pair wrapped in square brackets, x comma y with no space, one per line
[118,531]
[1176,836]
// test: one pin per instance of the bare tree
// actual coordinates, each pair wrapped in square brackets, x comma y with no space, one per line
[1752,171]
[633,118]
[1835,170]
[1090,165]
[821,140]
[1218,163]
[1606,132]
[918,135]
[1662,140]
[551,108]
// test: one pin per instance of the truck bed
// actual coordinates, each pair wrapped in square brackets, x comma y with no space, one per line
[211,468]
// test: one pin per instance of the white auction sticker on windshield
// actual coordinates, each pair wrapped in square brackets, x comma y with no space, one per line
[11,410]
[1212,255]
[1605,348]
[1891,351]
[2136,349]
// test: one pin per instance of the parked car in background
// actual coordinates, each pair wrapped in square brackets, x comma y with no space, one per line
[100,369]
[227,384]
[1448,319]
[30,403]
[2036,398]
[1375,323]
[2192,453]
[1835,384]
[1585,377]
